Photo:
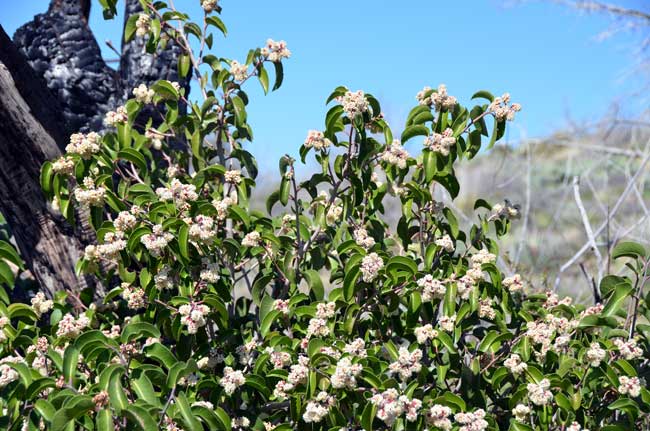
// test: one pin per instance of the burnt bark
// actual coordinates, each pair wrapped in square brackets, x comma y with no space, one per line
[30,133]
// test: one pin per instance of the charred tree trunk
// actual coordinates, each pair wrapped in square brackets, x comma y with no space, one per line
[30,131]
[54,82]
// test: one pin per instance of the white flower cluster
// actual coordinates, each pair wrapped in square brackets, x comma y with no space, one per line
[69,327]
[396,155]
[143,94]
[119,116]
[242,422]
[334,213]
[362,238]
[539,393]
[474,421]
[157,240]
[509,211]
[629,350]
[231,380]
[317,140]
[84,145]
[297,374]
[520,412]
[629,386]
[208,6]
[4,321]
[513,284]
[318,408]
[156,139]
[356,348]
[438,417]
[391,405]
[162,280]
[440,142]
[485,310]
[370,266]
[134,296]
[446,243]
[447,323]
[210,271]
[595,355]
[575,426]
[345,374]
[193,315]
[7,373]
[325,310]
[280,359]
[552,300]
[425,333]
[515,365]
[431,288]
[407,364]
[177,192]
[439,99]
[281,305]
[354,103]
[238,71]
[90,195]
[221,205]
[202,229]
[275,51]
[40,305]
[142,25]
[317,327]
[246,351]
[232,176]
[252,239]
[502,109]
[63,165]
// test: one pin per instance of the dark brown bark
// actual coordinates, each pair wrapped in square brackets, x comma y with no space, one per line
[31,131]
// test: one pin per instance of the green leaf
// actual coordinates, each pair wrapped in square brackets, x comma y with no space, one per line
[162,354]
[104,420]
[143,387]
[70,363]
[279,75]
[216,21]
[315,284]
[141,417]
[138,330]
[183,65]
[483,95]
[188,417]
[129,27]
[183,241]
[116,393]
[76,407]
[629,249]
[411,131]
[285,187]
[263,77]
[369,412]
[617,299]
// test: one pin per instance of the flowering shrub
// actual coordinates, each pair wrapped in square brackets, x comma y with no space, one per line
[323,316]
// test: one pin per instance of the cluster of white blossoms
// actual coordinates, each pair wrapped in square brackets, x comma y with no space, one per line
[509,211]
[345,374]
[317,140]
[362,239]
[157,240]
[439,99]
[595,355]
[334,213]
[575,426]
[396,155]
[354,103]
[370,267]
[125,221]
[84,145]
[356,347]
[628,349]
[231,380]
[142,25]
[242,422]
[63,165]
[447,323]
[629,386]
[520,412]
[446,243]
[156,139]
[474,421]
[40,304]
[162,279]
[69,327]
[178,192]
[221,205]
[552,299]
[193,315]
[318,408]
[202,229]
[238,71]
[90,195]
[431,288]
[119,116]
[438,417]
[275,51]
[407,364]
[325,310]
[143,94]
[7,373]
[539,393]
[251,239]
[391,405]
[515,365]
[281,305]
[297,374]
[246,351]
[210,271]
[233,176]
[502,109]
[110,249]
[4,321]
[440,142]
[485,309]
[134,296]
[317,327]
[425,333]
[208,5]
[279,359]
[513,283]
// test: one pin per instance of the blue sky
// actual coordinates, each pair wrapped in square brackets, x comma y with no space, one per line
[545,55]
